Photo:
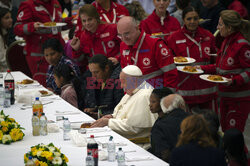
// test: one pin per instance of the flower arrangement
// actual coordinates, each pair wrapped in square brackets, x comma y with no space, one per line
[46,155]
[10,130]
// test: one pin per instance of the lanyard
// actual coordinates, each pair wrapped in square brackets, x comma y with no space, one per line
[51,18]
[198,44]
[138,49]
[224,52]
[107,19]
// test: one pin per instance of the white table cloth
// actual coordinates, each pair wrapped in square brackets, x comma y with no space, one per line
[13,154]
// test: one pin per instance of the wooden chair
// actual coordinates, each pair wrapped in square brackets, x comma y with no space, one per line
[16,59]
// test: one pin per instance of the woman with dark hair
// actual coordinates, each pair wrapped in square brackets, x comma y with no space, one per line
[233,143]
[71,89]
[103,88]
[160,22]
[97,38]
[5,25]
[196,146]
[165,131]
[233,62]
[54,55]
[198,43]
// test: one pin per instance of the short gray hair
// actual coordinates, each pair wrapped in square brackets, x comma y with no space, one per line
[178,102]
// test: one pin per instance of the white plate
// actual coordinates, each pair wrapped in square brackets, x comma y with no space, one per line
[180,68]
[189,60]
[204,77]
[20,84]
[44,95]
[58,24]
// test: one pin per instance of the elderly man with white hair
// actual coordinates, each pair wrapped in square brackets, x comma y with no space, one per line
[164,134]
[132,117]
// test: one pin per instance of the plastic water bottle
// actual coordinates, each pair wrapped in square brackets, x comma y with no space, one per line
[90,160]
[30,162]
[120,157]
[75,9]
[81,3]
[92,148]
[66,129]
[37,107]
[111,150]
[9,84]
[2,94]
[35,125]
[7,97]
[43,125]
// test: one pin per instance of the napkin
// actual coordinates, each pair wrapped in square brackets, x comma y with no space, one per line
[138,158]
[98,129]
[102,155]
[78,139]
[27,97]
[67,112]
[52,128]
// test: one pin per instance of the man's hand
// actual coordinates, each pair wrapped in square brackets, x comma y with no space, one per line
[114,60]
[89,110]
[100,123]
[37,25]
[75,43]
[108,116]
[230,81]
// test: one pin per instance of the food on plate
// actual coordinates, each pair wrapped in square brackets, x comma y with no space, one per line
[86,125]
[155,34]
[50,24]
[43,92]
[180,59]
[26,81]
[190,69]
[215,78]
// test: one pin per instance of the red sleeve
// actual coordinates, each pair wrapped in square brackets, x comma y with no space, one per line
[24,24]
[244,57]
[165,61]
[122,58]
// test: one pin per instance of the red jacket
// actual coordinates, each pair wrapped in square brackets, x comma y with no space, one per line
[191,87]
[233,62]
[116,10]
[103,41]
[32,11]
[237,6]
[154,59]
[152,24]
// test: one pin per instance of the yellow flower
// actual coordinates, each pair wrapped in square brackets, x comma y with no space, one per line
[25,158]
[46,154]
[14,133]
[65,158]
[37,162]
[34,153]
[20,135]
[5,129]
[1,135]
[43,163]
[4,123]
[12,120]
[33,149]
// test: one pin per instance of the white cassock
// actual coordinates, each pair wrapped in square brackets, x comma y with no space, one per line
[132,117]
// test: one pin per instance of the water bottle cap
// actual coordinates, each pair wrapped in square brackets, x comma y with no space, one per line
[35,113]
[8,71]
[66,118]
[111,138]
[92,136]
[1,85]
[120,148]
[43,113]
[30,157]
[37,98]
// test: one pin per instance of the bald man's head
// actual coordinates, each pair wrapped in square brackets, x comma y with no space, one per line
[128,30]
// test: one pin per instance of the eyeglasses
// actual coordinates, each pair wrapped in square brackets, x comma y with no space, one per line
[125,35]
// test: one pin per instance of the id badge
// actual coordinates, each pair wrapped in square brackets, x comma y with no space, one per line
[54,30]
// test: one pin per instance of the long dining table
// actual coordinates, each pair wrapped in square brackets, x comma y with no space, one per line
[13,154]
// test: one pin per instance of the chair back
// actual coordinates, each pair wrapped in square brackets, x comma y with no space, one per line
[15,58]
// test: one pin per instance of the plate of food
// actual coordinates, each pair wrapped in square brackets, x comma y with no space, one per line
[213,78]
[189,69]
[25,82]
[45,93]
[202,21]
[160,34]
[53,24]
[86,125]
[180,60]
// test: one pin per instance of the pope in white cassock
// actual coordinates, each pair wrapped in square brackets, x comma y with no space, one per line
[132,117]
